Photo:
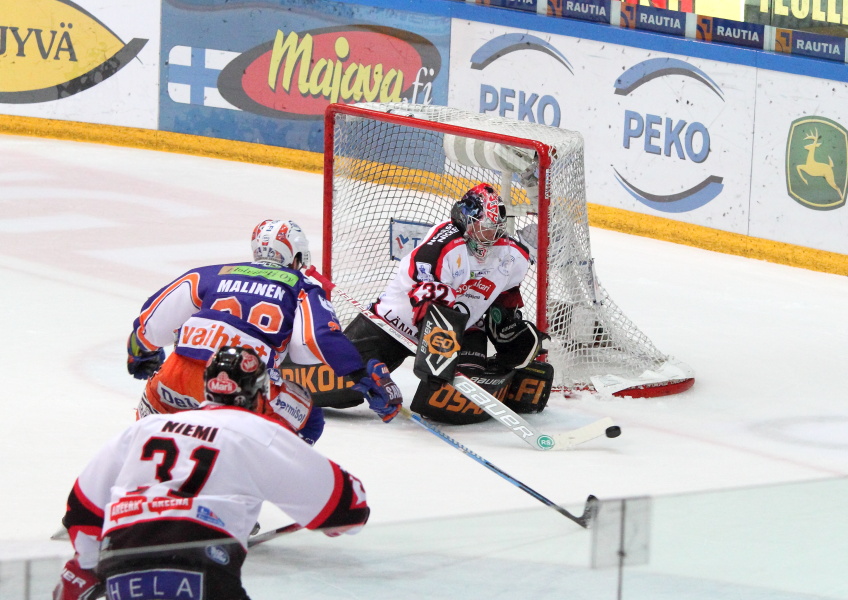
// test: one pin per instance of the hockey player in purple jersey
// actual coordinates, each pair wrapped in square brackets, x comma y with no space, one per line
[267,305]
[164,510]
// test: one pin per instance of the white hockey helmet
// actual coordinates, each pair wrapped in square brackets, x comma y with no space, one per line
[279,243]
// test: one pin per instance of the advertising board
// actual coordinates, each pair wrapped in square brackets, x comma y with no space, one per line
[664,135]
[264,72]
[88,60]
[799,176]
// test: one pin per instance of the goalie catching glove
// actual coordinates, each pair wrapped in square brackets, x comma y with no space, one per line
[516,341]
[141,363]
[383,394]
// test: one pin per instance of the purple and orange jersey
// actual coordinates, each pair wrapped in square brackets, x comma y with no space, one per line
[274,310]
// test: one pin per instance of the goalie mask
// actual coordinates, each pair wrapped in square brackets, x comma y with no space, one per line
[481,217]
[280,243]
[235,376]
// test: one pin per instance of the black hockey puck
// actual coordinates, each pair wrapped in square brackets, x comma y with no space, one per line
[613,431]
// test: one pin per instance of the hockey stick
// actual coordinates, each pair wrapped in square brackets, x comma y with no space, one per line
[583,520]
[62,534]
[261,538]
[494,407]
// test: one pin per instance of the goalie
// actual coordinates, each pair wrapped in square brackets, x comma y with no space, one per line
[460,288]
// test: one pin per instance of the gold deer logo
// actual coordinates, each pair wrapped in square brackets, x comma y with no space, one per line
[817,162]
[814,168]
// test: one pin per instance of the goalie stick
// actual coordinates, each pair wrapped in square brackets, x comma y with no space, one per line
[584,520]
[494,407]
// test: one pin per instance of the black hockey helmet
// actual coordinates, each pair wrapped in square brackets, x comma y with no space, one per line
[234,376]
[481,216]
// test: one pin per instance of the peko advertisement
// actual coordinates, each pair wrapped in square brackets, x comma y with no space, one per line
[264,72]
[664,135]
[84,60]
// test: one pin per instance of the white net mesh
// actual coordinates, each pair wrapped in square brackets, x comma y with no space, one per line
[392,181]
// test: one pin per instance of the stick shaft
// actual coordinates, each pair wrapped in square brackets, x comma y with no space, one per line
[273,534]
[583,520]
[62,534]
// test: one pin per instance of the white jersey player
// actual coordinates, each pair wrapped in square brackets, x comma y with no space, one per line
[467,267]
[171,501]
[470,264]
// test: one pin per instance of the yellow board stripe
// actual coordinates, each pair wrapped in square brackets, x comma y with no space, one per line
[164,141]
[599,216]
[706,238]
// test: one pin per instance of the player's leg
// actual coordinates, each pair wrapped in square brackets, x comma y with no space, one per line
[446,404]
[530,388]
[331,391]
[373,342]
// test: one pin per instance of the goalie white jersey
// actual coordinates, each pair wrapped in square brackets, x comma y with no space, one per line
[442,269]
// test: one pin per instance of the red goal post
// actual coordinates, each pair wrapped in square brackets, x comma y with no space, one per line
[391,171]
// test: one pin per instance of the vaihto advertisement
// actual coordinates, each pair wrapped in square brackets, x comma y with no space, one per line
[264,72]
[664,135]
[82,61]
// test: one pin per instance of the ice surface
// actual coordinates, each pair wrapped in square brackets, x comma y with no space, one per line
[88,232]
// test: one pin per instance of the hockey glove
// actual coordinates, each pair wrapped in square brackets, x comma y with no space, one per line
[77,583]
[516,341]
[383,394]
[141,363]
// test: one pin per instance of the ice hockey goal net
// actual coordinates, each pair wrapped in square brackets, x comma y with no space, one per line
[394,170]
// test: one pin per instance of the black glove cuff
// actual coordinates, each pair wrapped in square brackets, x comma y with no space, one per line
[358,375]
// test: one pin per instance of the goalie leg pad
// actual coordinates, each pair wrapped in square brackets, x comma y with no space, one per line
[472,355]
[530,388]
[446,404]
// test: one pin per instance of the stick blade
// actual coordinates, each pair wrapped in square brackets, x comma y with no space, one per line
[581,435]
[590,513]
